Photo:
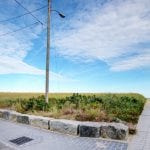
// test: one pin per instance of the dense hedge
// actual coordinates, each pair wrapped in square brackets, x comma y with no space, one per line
[104,107]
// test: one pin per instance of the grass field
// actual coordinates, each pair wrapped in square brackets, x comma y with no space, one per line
[84,107]
[15,95]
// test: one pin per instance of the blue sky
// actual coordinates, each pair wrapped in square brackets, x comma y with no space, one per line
[101,46]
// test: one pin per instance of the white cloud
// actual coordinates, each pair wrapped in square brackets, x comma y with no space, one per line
[15,47]
[13,50]
[10,65]
[115,30]
[138,61]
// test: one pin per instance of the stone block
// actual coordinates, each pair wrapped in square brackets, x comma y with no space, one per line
[9,115]
[64,126]
[41,122]
[89,131]
[5,115]
[114,131]
[13,116]
[23,119]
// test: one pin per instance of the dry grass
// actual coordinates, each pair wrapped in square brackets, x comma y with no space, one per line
[24,95]
[15,95]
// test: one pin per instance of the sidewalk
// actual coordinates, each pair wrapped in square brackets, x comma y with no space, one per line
[4,147]
[141,141]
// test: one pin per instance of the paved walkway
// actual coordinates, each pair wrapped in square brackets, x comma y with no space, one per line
[46,140]
[141,141]
[4,147]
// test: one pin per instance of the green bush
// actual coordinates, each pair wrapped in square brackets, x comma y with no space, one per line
[126,107]
[33,103]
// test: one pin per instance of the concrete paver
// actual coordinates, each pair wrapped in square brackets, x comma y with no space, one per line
[4,147]
[141,141]
[46,140]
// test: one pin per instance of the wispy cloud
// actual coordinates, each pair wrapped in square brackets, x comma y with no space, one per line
[138,61]
[13,50]
[15,47]
[112,33]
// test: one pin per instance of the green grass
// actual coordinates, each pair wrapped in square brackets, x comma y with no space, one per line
[84,107]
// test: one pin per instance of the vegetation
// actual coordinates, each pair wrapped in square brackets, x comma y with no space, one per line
[83,107]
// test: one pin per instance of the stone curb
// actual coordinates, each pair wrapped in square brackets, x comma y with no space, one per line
[117,131]
[39,121]
[64,126]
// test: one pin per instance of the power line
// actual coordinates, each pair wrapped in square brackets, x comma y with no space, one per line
[28,11]
[19,29]
[22,14]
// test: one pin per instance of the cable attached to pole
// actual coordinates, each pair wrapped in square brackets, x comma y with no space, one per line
[15,17]
[28,11]
[18,29]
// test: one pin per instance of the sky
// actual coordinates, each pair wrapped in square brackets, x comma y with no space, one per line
[100,46]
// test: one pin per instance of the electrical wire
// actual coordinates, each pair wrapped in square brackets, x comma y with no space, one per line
[19,29]
[22,14]
[28,11]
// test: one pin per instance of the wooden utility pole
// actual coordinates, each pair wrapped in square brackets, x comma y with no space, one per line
[47,53]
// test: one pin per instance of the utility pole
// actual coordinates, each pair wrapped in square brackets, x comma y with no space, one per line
[47,53]
[48,48]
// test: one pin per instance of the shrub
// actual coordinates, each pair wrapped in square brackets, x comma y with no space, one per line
[124,106]
[104,107]
[34,104]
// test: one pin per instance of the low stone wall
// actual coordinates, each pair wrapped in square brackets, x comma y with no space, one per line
[84,129]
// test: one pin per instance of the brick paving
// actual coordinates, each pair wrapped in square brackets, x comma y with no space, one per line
[47,140]
[141,141]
